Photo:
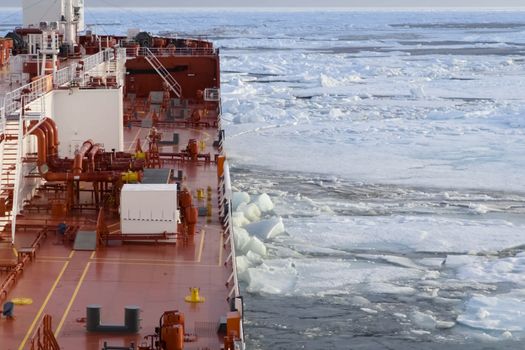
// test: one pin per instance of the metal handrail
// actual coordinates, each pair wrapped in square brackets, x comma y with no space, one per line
[32,91]
[65,75]
[225,194]
[172,51]
[18,179]
[94,60]
[41,86]
[163,72]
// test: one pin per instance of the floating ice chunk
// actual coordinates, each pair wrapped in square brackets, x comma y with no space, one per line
[424,320]
[254,258]
[278,279]
[506,335]
[266,229]
[255,245]
[252,212]
[445,324]
[241,238]
[388,288]
[242,267]
[238,198]
[238,219]
[510,270]
[369,311]
[359,301]
[456,261]
[503,312]
[244,262]
[417,92]
[264,203]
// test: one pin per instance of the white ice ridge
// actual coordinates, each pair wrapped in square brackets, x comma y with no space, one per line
[250,230]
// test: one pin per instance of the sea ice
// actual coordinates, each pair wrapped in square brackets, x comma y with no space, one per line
[241,238]
[266,229]
[252,212]
[502,312]
[238,198]
[255,245]
[264,203]
[238,219]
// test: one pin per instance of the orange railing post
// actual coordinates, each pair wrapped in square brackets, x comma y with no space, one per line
[44,338]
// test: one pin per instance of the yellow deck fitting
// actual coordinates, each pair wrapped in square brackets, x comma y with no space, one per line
[200,193]
[22,301]
[140,155]
[194,297]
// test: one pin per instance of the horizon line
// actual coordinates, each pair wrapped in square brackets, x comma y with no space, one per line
[303,7]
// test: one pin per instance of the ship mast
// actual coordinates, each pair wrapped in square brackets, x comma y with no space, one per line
[67,14]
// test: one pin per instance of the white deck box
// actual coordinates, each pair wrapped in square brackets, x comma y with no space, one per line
[148,208]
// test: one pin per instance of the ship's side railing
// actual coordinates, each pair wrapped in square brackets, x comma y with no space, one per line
[44,339]
[171,51]
[225,195]
[32,91]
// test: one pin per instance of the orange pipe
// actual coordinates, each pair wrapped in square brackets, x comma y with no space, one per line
[42,137]
[42,146]
[79,157]
[53,125]
[105,176]
[52,136]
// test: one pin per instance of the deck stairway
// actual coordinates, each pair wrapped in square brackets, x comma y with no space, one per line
[10,166]
[173,85]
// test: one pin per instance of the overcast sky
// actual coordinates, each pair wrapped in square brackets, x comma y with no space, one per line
[316,3]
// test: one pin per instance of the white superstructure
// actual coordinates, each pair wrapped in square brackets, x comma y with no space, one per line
[67,14]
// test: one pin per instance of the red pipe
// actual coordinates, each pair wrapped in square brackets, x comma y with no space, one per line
[104,176]
[52,137]
[49,136]
[42,137]
[79,157]
[53,125]
[42,146]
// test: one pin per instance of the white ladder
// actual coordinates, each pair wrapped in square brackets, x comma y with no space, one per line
[11,171]
[163,72]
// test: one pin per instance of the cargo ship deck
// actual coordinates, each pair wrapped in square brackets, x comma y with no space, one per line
[156,276]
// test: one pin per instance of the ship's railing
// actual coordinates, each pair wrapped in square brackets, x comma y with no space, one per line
[212,94]
[32,91]
[225,195]
[41,86]
[93,61]
[43,338]
[171,51]
[121,54]
[64,75]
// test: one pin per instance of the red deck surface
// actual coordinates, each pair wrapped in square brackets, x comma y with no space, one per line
[156,277]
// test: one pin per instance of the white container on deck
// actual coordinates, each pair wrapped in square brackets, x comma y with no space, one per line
[148,208]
